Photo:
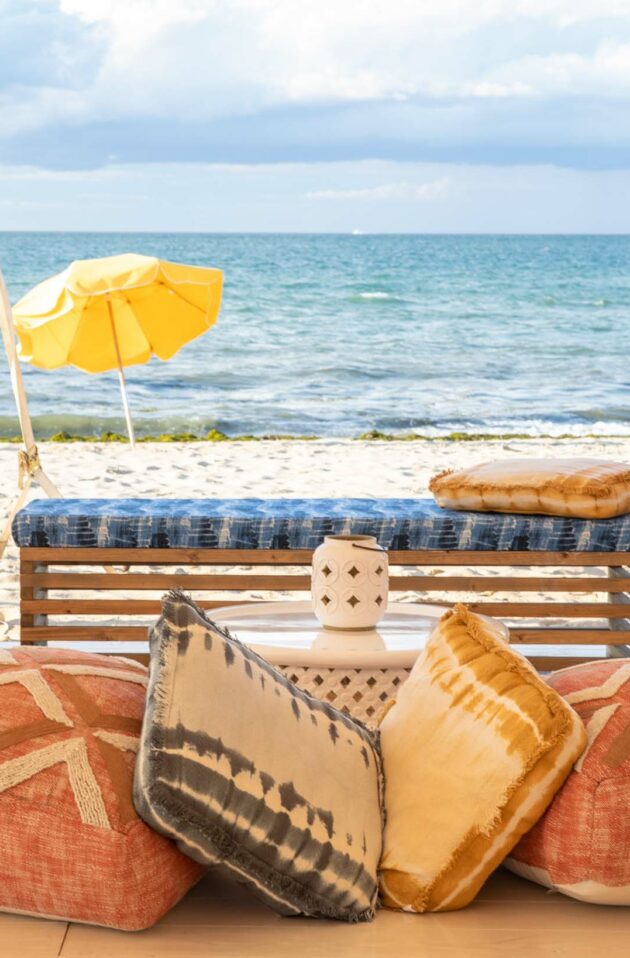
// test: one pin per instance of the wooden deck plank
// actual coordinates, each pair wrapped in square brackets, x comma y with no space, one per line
[436,935]
[25,937]
[509,917]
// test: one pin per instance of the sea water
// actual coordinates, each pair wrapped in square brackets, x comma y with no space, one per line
[337,335]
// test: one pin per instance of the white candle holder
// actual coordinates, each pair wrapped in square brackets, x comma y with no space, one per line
[350,582]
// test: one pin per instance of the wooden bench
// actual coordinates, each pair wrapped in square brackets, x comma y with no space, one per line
[589,618]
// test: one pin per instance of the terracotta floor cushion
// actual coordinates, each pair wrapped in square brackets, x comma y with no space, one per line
[581,846]
[71,843]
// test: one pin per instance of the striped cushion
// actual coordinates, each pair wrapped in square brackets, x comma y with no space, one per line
[473,750]
[245,770]
[581,846]
[398,524]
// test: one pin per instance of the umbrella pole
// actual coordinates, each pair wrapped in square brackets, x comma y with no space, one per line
[121,377]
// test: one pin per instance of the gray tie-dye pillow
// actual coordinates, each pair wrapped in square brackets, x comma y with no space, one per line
[245,770]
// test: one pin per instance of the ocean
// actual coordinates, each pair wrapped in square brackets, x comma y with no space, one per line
[339,335]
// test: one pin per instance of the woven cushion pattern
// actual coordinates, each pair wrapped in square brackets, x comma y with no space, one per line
[474,749]
[581,846]
[71,843]
[400,524]
[245,770]
[586,488]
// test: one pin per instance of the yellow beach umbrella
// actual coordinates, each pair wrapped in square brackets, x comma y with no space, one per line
[102,314]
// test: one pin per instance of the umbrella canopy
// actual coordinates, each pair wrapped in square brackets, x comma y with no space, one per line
[102,314]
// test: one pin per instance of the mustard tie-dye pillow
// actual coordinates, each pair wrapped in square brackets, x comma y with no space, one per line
[474,749]
[582,488]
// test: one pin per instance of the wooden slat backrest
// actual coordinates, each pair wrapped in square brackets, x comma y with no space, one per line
[217,577]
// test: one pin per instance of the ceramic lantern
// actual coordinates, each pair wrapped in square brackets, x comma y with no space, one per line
[350,582]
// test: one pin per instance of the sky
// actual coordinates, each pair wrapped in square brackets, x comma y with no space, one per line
[315,115]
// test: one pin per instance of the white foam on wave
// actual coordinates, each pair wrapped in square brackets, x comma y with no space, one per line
[533,429]
[376,295]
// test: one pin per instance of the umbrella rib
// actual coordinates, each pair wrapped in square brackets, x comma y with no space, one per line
[184,300]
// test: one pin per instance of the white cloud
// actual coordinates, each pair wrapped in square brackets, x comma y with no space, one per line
[490,89]
[606,70]
[134,20]
[388,191]
[172,63]
[209,58]
[330,86]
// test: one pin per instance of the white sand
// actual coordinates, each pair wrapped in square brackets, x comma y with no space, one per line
[280,468]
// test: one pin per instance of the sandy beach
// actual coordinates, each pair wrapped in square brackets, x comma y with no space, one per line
[325,467]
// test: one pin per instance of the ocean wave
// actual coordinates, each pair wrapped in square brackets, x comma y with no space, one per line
[375,295]
[297,422]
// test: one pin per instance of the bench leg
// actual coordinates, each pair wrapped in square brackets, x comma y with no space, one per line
[29,594]
[618,625]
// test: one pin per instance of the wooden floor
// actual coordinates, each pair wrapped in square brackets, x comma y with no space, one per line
[511,918]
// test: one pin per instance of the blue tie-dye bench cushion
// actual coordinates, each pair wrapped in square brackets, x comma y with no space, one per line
[399,524]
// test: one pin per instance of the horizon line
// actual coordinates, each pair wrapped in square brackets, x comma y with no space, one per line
[182,232]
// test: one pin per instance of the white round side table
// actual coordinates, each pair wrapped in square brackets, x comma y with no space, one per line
[357,672]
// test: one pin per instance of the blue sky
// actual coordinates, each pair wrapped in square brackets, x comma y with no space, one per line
[404,115]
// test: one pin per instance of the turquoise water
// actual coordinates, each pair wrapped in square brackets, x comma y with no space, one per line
[339,334]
